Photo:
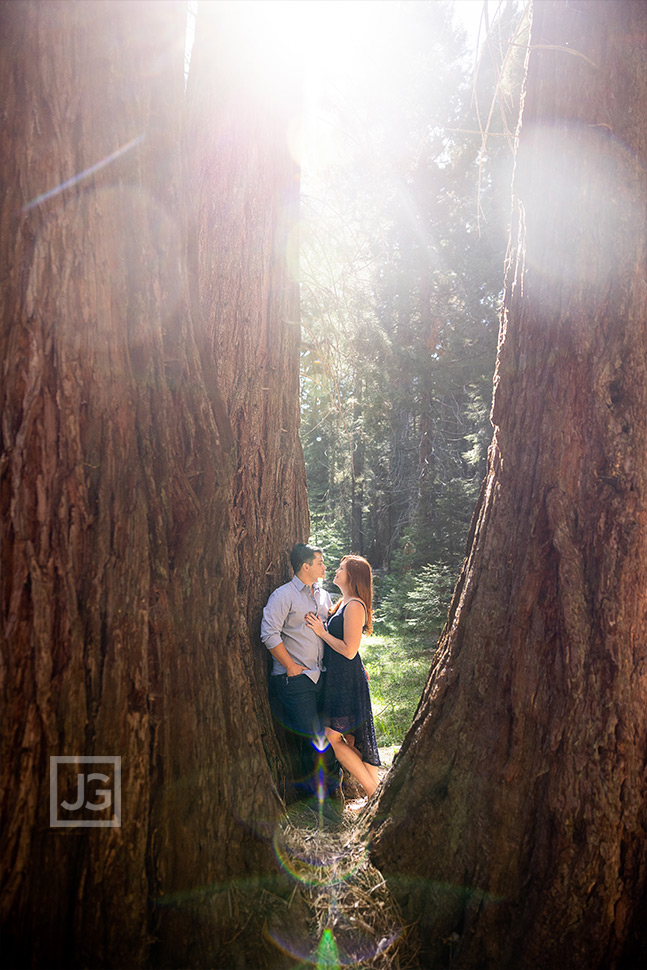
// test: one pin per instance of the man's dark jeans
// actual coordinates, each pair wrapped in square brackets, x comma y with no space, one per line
[295,704]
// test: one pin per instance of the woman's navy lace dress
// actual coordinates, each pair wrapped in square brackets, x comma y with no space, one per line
[346,698]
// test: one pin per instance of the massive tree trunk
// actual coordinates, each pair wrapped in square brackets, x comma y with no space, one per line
[513,823]
[121,631]
[243,107]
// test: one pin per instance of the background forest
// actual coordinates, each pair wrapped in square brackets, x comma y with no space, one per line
[405,209]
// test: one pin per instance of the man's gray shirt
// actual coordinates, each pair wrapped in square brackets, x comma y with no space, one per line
[284,622]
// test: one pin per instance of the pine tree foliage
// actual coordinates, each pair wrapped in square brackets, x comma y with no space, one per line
[402,268]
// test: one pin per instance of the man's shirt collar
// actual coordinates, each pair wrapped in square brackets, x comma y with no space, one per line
[301,585]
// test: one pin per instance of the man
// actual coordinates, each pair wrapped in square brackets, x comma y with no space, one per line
[296,679]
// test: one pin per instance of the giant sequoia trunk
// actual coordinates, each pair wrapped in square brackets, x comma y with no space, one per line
[121,632]
[513,823]
[243,104]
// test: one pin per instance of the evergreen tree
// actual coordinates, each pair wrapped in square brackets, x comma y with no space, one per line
[403,271]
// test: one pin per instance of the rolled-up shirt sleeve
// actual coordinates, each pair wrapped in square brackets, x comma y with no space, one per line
[274,614]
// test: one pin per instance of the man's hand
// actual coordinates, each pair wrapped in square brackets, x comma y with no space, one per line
[295,669]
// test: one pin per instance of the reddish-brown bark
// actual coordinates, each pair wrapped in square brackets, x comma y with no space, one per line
[513,823]
[244,99]
[124,503]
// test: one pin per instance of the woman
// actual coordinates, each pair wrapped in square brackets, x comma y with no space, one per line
[346,699]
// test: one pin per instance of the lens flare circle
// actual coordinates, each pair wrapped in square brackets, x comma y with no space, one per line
[578,186]
[307,863]
[348,947]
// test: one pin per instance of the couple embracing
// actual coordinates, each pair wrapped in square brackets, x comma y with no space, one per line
[318,684]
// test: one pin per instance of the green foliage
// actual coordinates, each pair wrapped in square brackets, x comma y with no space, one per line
[398,667]
[330,534]
[411,608]
[402,267]
[416,601]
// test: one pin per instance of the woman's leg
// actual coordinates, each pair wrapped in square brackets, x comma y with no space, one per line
[350,741]
[373,772]
[366,775]
[372,769]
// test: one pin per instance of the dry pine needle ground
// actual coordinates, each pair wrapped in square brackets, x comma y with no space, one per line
[353,921]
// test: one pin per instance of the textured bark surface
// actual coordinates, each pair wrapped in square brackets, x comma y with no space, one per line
[123,503]
[243,107]
[513,825]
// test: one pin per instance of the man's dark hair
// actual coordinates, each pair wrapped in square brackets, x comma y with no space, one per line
[302,553]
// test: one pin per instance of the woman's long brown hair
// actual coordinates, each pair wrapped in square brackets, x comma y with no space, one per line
[360,578]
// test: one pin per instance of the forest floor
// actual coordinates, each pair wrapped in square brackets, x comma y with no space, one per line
[352,920]
[398,667]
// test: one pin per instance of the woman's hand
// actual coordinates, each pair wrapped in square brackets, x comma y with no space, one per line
[314,622]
